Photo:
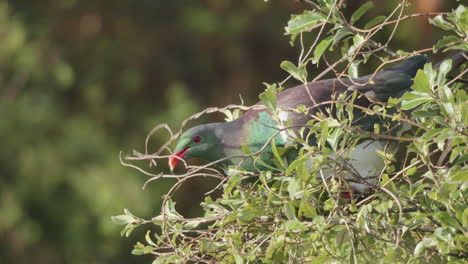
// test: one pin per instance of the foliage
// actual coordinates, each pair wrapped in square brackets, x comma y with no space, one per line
[417,213]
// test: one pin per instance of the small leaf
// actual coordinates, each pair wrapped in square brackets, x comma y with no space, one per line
[298,73]
[324,132]
[275,244]
[329,205]
[127,212]
[268,97]
[248,213]
[289,210]
[303,22]
[425,243]
[447,220]
[462,18]
[443,70]
[446,42]
[353,69]
[141,250]
[413,99]
[459,46]
[358,40]
[293,188]
[276,154]
[246,149]
[456,152]
[411,171]
[361,10]
[376,128]
[148,238]
[342,33]
[440,22]
[465,218]
[297,162]
[375,21]
[321,47]
[294,226]
[122,219]
[421,82]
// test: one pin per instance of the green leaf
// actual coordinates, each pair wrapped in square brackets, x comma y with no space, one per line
[443,70]
[459,46]
[455,153]
[321,47]
[324,132]
[123,219]
[142,251]
[375,21]
[358,40]
[425,243]
[462,15]
[277,155]
[446,42]
[353,69]
[297,162]
[303,22]
[294,226]
[248,213]
[168,259]
[289,210]
[447,220]
[342,33]
[329,205]
[307,209]
[268,97]
[232,115]
[246,149]
[361,10]
[423,113]
[320,259]
[298,73]
[376,128]
[413,99]
[293,188]
[465,218]
[440,22]
[148,238]
[275,244]
[421,83]
[334,139]
[238,259]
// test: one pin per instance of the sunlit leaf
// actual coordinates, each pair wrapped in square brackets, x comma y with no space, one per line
[441,22]
[303,22]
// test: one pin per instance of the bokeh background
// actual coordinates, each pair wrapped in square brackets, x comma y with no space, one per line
[82,80]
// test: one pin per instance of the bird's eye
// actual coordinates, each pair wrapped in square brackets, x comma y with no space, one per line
[196,139]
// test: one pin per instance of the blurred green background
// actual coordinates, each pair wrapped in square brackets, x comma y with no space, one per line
[81,80]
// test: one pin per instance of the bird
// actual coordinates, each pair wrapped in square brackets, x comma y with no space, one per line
[220,141]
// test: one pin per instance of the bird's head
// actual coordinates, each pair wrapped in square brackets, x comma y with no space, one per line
[202,142]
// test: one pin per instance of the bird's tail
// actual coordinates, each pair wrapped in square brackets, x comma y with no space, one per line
[457,60]
[409,66]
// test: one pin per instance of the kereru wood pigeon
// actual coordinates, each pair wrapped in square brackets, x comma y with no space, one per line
[215,141]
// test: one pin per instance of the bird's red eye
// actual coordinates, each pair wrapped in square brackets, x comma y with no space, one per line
[196,139]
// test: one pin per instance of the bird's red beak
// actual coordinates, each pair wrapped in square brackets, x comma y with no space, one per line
[176,157]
